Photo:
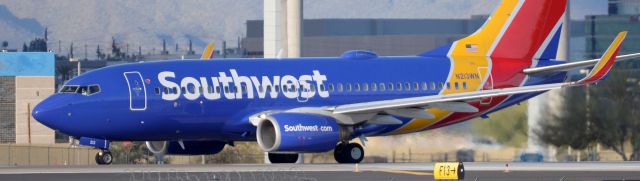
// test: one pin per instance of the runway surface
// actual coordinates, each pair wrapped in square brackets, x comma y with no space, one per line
[365,172]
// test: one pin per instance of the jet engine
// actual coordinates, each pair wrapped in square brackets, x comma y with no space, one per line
[190,147]
[298,132]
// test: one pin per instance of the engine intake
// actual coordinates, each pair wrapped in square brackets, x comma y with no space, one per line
[297,132]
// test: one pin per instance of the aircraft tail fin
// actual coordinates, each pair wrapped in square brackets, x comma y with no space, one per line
[517,29]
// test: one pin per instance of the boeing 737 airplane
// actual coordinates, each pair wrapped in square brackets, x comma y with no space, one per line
[309,105]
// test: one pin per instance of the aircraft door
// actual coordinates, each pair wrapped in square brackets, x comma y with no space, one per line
[137,91]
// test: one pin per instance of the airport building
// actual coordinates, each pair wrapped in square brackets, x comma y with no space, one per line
[25,80]
[601,29]
[387,37]
[332,37]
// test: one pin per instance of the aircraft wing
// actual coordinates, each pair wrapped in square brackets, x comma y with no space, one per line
[599,72]
[208,52]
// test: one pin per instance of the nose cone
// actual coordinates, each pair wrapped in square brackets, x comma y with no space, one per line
[42,114]
[45,112]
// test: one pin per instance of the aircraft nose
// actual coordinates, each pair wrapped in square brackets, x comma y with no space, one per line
[45,112]
[42,114]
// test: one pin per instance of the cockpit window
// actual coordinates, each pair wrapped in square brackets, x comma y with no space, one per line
[94,89]
[84,90]
[69,89]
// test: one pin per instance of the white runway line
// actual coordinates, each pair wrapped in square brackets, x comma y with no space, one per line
[423,167]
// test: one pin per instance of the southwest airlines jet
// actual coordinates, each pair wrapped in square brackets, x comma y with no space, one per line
[309,105]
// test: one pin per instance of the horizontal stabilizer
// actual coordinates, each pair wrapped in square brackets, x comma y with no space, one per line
[605,64]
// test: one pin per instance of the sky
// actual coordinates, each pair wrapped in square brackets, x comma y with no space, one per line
[148,22]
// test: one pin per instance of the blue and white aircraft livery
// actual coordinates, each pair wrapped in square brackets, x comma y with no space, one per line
[307,105]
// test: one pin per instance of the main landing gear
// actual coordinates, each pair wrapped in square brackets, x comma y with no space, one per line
[104,157]
[348,153]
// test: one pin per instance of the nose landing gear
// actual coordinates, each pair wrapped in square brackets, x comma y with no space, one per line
[348,153]
[104,157]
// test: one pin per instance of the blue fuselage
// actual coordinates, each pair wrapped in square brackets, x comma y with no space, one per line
[212,100]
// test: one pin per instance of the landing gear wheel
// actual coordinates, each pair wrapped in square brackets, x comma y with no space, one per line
[337,152]
[104,157]
[349,153]
[283,157]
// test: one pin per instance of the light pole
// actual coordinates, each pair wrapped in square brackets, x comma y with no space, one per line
[79,64]
[587,89]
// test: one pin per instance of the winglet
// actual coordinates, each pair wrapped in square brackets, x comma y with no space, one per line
[208,52]
[603,67]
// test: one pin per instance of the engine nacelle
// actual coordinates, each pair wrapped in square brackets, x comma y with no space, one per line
[190,147]
[297,132]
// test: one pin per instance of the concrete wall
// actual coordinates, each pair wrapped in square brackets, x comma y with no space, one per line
[31,90]
[25,80]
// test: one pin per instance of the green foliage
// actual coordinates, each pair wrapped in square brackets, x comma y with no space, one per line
[242,152]
[609,118]
[568,128]
[508,126]
[131,153]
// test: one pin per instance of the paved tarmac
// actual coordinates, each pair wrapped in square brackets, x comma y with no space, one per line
[310,172]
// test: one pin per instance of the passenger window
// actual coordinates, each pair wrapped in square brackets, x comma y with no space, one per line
[425,86]
[448,85]
[277,88]
[191,89]
[464,85]
[226,89]
[356,87]
[313,88]
[268,88]
[390,86]
[365,87]
[166,90]
[175,90]
[331,88]
[322,88]
[243,88]
[407,86]
[382,87]
[261,88]
[433,86]
[349,87]
[399,85]
[416,86]
[340,87]
[457,85]
[374,87]
[285,88]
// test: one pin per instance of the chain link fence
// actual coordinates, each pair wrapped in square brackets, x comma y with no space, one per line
[242,153]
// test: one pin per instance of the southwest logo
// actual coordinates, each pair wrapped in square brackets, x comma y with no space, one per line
[237,86]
